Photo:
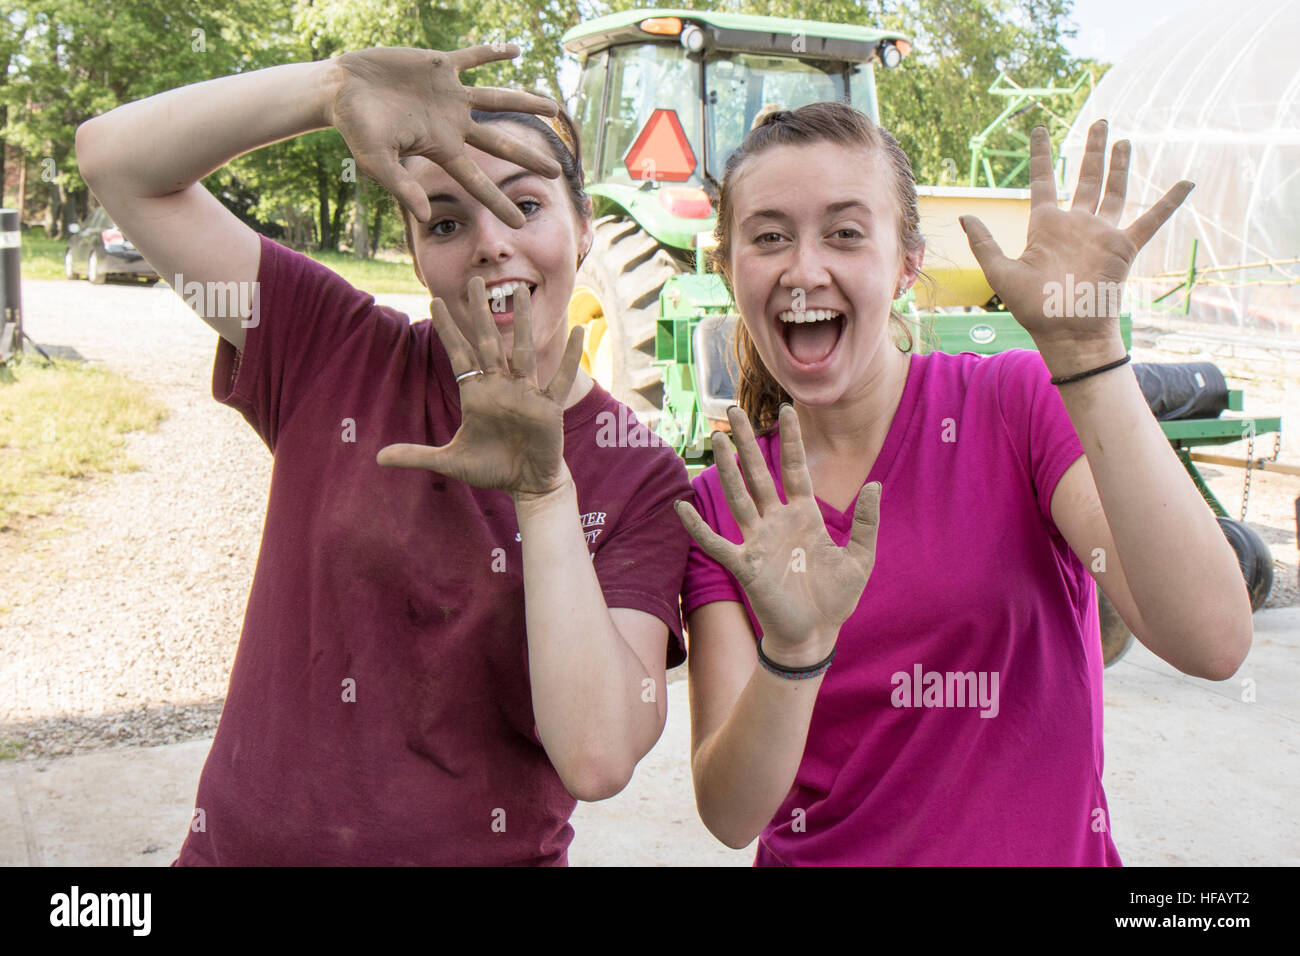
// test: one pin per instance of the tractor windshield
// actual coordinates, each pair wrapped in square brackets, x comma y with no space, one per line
[645,78]
[742,84]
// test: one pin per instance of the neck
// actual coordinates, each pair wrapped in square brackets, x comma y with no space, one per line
[860,419]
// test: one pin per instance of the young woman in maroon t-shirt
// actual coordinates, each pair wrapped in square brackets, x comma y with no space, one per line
[493,203]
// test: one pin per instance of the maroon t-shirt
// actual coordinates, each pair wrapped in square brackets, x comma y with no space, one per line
[379,709]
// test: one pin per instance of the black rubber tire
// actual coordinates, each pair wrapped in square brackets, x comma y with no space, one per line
[1116,638]
[1254,558]
[96,275]
[626,268]
[69,271]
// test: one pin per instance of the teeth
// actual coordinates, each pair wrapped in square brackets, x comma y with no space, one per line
[504,289]
[812,315]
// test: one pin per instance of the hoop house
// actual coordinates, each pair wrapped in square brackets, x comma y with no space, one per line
[1213,96]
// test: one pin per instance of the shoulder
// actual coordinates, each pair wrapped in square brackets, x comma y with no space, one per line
[608,441]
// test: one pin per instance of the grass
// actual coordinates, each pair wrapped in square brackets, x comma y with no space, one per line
[9,749]
[43,259]
[62,425]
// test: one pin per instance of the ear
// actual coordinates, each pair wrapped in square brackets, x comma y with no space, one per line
[910,269]
[588,234]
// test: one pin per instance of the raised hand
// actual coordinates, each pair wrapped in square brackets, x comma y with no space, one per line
[1064,289]
[393,102]
[511,435]
[801,585]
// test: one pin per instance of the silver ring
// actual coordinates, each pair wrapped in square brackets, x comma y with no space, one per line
[470,374]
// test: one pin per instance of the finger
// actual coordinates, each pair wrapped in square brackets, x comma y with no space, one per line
[1112,204]
[523,358]
[861,545]
[761,486]
[496,100]
[1145,227]
[472,56]
[502,144]
[733,485]
[388,172]
[460,353]
[487,339]
[1088,189]
[561,382]
[428,457]
[1042,180]
[992,261]
[466,172]
[713,544]
[794,465]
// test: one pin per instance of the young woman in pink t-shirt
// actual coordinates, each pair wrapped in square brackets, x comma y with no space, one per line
[395,699]
[961,721]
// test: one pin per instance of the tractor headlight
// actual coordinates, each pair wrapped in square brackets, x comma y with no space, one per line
[890,54]
[693,38]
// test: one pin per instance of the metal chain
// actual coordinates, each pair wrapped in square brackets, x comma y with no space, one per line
[1250,461]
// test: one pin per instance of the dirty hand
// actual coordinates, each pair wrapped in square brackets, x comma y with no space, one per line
[392,102]
[511,435]
[801,585]
[1065,288]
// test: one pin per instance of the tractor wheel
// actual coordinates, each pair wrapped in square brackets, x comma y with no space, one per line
[1253,556]
[1116,638]
[69,270]
[616,297]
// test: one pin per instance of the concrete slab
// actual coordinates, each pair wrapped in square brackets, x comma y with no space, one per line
[1197,773]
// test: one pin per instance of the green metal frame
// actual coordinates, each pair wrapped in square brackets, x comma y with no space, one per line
[1020,99]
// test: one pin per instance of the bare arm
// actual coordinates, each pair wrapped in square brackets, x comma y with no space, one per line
[1173,571]
[144,160]
[588,664]
[1188,603]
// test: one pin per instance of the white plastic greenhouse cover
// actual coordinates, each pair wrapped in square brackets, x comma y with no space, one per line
[1213,96]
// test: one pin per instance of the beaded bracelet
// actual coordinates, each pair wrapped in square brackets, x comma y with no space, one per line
[1104,368]
[794,673]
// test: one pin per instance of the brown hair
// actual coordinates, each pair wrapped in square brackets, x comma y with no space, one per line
[563,142]
[757,390]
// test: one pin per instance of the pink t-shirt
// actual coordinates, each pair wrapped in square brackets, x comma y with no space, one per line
[380,710]
[961,722]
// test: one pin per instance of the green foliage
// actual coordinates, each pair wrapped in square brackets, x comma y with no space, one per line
[69,60]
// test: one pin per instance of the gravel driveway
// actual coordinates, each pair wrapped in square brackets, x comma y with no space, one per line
[128,605]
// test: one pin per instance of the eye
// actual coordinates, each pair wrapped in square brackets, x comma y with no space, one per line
[528,202]
[763,238]
[436,229]
[848,232]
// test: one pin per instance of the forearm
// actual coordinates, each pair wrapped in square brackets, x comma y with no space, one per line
[1182,572]
[744,772]
[593,714]
[166,143]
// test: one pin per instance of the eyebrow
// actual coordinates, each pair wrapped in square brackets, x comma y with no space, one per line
[783,217]
[508,181]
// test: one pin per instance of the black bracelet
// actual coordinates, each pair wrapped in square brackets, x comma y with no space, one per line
[1105,368]
[794,673]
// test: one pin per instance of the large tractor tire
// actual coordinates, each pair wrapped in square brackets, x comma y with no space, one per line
[616,297]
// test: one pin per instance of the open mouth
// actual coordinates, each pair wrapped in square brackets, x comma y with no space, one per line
[811,337]
[501,300]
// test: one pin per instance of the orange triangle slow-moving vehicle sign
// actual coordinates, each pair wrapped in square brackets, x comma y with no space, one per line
[661,151]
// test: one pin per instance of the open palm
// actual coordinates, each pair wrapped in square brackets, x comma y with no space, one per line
[511,435]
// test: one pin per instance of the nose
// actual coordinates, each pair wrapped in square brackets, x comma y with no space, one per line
[494,241]
[804,269]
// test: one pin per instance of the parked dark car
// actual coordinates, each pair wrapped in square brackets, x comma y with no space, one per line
[99,250]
